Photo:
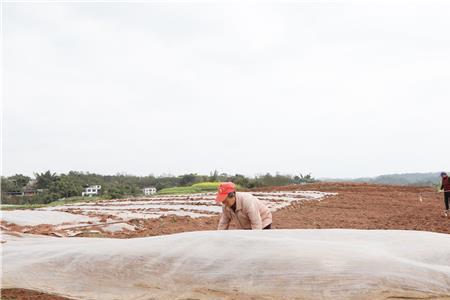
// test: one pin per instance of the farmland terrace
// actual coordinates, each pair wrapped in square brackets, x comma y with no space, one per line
[310,206]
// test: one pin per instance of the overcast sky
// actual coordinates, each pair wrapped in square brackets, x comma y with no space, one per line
[338,89]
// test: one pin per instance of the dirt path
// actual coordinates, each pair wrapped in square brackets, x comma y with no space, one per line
[357,206]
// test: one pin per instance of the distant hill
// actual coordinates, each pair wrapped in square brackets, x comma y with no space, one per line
[432,178]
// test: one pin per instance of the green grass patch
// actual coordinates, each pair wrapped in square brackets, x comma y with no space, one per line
[24,206]
[202,187]
[179,190]
[207,186]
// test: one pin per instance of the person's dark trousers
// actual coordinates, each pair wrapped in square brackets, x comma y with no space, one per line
[446,199]
[270,226]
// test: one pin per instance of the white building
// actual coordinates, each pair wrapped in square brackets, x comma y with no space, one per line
[149,191]
[92,190]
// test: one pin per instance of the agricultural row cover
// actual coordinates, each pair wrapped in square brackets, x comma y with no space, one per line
[235,264]
[115,215]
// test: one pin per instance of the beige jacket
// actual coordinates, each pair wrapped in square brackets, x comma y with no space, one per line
[250,213]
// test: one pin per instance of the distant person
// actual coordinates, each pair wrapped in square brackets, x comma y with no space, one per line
[445,185]
[244,208]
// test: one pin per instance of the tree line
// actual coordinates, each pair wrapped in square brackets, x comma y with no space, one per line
[48,186]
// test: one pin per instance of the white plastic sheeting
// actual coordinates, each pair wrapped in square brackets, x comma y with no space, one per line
[118,227]
[37,217]
[193,203]
[272,264]
[126,216]
[209,208]
[194,206]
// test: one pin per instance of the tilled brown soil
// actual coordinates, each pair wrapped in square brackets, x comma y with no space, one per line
[23,294]
[363,206]
[357,206]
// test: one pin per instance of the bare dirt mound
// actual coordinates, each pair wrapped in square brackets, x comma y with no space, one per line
[19,294]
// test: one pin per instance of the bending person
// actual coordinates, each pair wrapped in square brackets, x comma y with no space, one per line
[244,208]
[445,185]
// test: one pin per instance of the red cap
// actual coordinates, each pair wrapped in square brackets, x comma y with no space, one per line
[224,189]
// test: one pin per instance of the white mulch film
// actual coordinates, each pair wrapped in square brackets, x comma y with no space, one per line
[37,217]
[126,216]
[194,206]
[155,207]
[118,227]
[276,264]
